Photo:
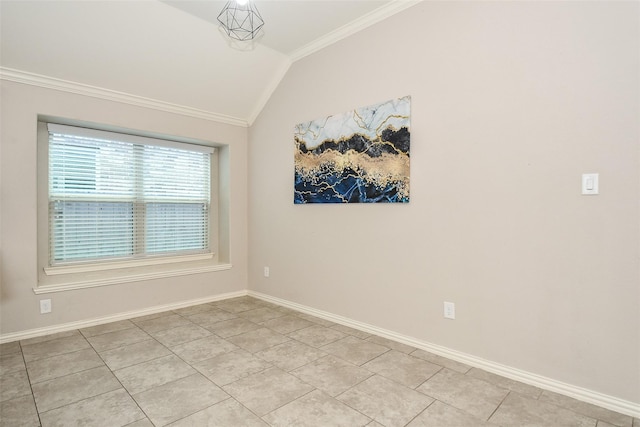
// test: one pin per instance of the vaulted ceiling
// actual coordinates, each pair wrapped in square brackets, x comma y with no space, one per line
[172,51]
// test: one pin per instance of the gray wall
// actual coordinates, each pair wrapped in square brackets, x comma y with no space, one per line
[19,308]
[511,103]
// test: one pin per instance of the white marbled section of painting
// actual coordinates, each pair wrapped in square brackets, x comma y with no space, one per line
[367,121]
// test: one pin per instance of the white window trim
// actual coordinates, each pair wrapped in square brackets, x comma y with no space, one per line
[130,278]
[75,276]
[85,267]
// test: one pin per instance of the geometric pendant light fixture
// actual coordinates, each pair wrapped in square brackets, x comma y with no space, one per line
[240,19]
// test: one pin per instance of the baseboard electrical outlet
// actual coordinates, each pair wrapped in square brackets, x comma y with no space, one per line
[45,306]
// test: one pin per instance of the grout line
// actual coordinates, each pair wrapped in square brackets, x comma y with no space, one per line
[33,396]
[499,405]
[118,379]
[422,412]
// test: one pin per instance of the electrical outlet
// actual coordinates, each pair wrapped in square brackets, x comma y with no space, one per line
[266,272]
[449,310]
[45,306]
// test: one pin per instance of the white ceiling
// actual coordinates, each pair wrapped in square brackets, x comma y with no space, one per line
[291,25]
[172,51]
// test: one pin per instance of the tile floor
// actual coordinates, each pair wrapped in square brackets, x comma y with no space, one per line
[244,362]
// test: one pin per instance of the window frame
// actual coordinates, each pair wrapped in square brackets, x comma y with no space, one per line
[107,272]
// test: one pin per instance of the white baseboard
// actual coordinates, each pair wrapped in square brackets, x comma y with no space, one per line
[609,402]
[545,383]
[32,333]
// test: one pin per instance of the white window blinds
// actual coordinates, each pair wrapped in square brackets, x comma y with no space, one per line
[116,196]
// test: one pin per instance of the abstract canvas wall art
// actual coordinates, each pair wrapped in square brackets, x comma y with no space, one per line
[361,156]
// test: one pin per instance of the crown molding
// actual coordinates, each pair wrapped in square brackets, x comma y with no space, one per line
[353,27]
[33,79]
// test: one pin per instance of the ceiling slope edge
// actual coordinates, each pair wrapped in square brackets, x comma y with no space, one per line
[353,27]
[33,79]
[269,90]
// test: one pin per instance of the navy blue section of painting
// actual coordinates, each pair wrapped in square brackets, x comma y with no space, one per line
[343,188]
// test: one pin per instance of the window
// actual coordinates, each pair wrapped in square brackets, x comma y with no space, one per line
[115,197]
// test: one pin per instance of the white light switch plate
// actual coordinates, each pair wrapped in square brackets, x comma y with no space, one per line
[590,184]
[449,310]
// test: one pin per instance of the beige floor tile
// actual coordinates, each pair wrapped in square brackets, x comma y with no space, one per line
[203,349]
[267,390]
[178,399]
[231,327]
[286,310]
[72,388]
[10,347]
[258,339]
[526,412]
[51,337]
[112,409]
[228,413]
[14,384]
[351,331]
[316,409]
[442,361]
[394,345]
[11,362]
[64,364]
[206,318]
[332,375]
[133,354]
[316,320]
[509,384]
[476,397]
[168,321]
[181,334]
[117,339]
[194,309]
[264,303]
[355,350]
[141,377]
[402,368]
[229,367]
[385,401]
[142,423]
[55,347]
[107,327]
[317,336]
[238,305]
[287,324]
[587,409]
[261,314]
[176,382]
[439,414]
[19,412]
[290,355]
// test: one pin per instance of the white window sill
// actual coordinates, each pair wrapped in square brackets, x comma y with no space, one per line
[127,278]
[115,265]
